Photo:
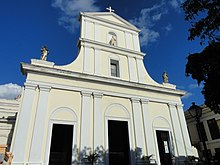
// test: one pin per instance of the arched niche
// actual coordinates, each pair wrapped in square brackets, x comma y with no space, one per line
[64,114]
[112,38]
[117,110]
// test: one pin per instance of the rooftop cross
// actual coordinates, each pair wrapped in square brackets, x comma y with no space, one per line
[110,9]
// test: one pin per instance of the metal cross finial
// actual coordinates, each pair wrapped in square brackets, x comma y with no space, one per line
[110,9]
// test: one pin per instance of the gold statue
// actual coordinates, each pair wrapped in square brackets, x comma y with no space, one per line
[44,52]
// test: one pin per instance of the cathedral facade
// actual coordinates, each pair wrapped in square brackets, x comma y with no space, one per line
[104,105]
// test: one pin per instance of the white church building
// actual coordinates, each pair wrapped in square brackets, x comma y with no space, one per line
[103,103]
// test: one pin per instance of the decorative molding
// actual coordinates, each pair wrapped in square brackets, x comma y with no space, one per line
[145,101]
[110,48]
[97,95]
[98,79]
[44,88]
[92,16]
[179,105]
[171,104]
[42,63]
[30,86]
[107,93]
[135,100]
[86,93]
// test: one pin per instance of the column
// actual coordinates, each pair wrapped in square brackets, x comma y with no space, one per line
[98,127]
[138,127]
[86,122]
[23,123]
[185,133]
[177,130]
[39,126]
[149,134]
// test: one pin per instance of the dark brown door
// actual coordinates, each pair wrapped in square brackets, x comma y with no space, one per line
[163,142]
[61,145]
[119,149]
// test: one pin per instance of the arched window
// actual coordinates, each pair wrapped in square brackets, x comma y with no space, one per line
[112,39]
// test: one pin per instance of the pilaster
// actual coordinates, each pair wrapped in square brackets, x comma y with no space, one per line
[185,133]
[177,130]
[149,138]
[138,127]
[86,59]
[86,121]
[23,123]
[39,126]
[97,62]
[140,73]
[132,69]
[88,29]
[97,32]
[98,126]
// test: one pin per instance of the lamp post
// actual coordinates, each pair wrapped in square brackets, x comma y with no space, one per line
[196,112]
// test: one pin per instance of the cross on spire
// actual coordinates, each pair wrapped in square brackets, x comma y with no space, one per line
[110,9]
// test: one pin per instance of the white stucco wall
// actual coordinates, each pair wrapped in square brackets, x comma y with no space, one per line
[85,95]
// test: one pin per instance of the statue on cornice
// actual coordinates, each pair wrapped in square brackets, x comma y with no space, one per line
[113,41]
[44,53]
[165,77]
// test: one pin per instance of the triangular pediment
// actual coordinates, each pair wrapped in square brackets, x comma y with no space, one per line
[110,17]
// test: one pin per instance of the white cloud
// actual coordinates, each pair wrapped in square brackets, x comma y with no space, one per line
[194,86]
[180,87]
[9,91]
[176,4]
[69,11]
[148,36]
[156,17]
[168,27]
[187,95]
[146,21]
[149,17]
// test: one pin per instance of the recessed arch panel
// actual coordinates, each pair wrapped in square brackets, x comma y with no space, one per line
[64,113]
[161,122]
[117,110]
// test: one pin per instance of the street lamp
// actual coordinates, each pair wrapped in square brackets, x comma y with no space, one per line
[196,112]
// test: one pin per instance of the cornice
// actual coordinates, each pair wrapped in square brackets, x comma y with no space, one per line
[91,16]
[9,103]
[110,48]
[29,68]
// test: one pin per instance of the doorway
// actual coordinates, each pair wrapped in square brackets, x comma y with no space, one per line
[61,145]
[163,142]
[118,139]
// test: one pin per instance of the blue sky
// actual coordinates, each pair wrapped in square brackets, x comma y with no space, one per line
[28,25]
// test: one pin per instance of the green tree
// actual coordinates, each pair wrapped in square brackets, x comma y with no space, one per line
[204,17]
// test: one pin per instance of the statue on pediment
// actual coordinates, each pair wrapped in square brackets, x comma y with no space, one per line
[44,53]
[165,77]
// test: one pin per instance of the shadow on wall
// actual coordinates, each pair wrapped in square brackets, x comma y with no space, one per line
[99,156]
